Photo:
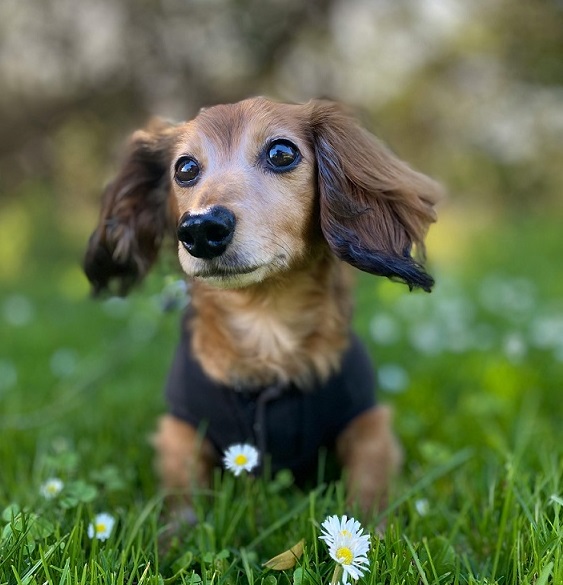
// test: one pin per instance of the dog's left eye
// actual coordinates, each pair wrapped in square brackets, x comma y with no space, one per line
[282,155]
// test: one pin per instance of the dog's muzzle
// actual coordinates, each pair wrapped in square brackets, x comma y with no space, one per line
[207,235]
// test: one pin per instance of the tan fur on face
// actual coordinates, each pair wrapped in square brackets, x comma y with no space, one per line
[277,227]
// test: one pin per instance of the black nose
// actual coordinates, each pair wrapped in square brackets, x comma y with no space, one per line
[207,235]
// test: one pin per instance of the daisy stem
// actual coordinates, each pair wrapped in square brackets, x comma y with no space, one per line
[248,481]
[336,575]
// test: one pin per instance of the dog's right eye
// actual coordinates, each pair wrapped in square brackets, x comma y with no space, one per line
[186,171]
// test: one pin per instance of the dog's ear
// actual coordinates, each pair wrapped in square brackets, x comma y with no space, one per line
[136,213]
[374,209]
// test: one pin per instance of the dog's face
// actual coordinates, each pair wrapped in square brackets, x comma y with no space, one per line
[243,180]
[256,188]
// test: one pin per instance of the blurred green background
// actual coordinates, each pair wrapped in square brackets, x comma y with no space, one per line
[470,93]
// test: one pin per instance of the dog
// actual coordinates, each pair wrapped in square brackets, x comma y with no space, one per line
[270,204]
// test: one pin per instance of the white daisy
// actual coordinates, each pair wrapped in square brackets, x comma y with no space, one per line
[51,488]
[347,545]
[422,506]
[101,527]
[240,457]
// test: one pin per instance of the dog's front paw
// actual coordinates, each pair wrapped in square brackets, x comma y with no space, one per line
[178,520]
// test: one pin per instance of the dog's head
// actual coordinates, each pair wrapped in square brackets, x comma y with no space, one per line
[257,188]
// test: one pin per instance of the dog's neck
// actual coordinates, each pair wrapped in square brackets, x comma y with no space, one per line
[289,329]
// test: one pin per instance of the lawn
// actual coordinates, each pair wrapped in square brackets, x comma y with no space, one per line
[474,372]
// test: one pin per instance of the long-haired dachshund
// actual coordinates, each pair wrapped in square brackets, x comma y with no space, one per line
[269,203]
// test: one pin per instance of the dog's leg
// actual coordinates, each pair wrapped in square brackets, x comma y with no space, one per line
[370,456]
[184,461]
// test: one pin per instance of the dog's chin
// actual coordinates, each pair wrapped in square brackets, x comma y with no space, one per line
[229,280]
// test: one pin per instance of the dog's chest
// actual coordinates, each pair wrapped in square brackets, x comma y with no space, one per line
[292,332]
[267,335]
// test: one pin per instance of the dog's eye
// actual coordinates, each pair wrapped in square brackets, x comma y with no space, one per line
[186,171]
[282,155]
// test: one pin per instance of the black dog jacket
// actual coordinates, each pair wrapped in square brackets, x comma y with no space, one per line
[285,423]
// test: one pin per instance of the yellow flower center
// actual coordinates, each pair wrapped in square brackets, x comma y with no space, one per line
[100,527]
[344,555]
[241,459]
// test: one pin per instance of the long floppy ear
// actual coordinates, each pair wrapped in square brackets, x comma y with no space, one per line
[373,207]
[136,213]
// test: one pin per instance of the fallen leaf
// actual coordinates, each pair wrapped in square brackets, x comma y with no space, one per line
[286,559]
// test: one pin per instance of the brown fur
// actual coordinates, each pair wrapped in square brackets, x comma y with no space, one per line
[275,306]
[371,455]
[187,459]
[289,329]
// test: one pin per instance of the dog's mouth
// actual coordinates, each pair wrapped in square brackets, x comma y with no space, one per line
[233,273]
[233,270]
[222,274]
[226,271]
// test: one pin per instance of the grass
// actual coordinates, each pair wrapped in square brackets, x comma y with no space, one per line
[474,372]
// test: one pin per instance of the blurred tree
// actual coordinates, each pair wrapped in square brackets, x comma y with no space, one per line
[531,39]
[470,92]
